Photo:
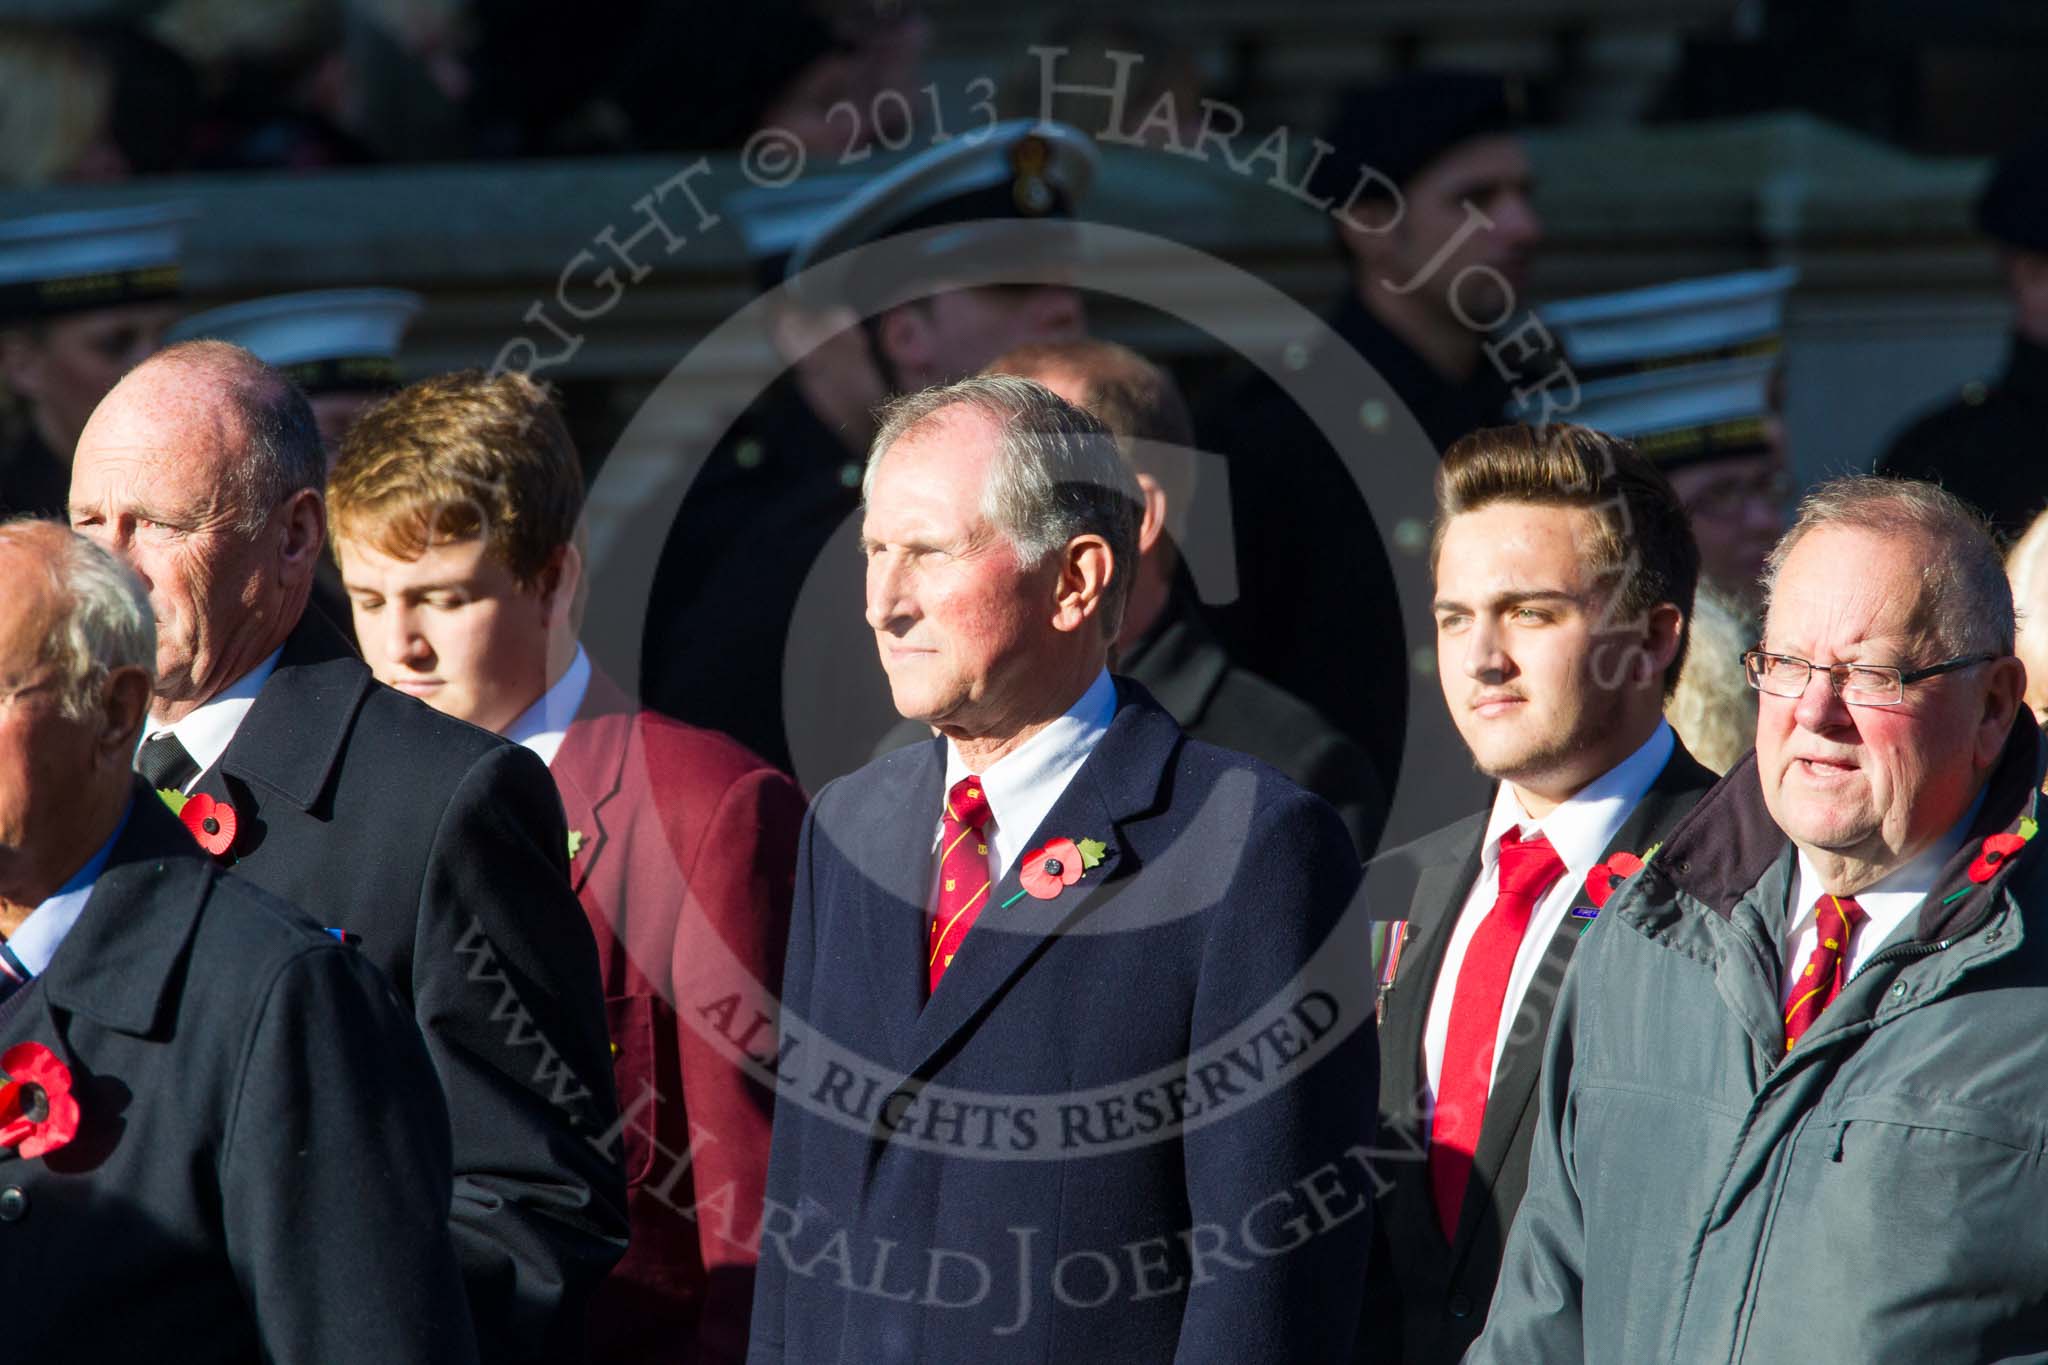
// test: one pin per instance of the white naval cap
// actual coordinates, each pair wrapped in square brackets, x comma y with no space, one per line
[326,340]
[1685,370]
[981,185]
[76,261]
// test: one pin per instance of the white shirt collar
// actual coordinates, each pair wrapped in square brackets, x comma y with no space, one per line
[1024,784]
[208,731]
[542,726]
[36,941]
[1886,904]
[1581,828]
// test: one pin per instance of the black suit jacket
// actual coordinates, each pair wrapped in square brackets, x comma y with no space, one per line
[1167,979]
[1431,1297]
[261,1166]
[444,848]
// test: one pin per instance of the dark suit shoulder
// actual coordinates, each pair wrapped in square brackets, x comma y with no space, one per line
[394,722]
[1448,844]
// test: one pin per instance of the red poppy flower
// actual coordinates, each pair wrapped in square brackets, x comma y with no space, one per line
[1992,856]
[212,822]
[1046,871]
[1604,877]
[37,1113]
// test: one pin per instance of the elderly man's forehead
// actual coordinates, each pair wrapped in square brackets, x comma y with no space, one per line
[1852,583]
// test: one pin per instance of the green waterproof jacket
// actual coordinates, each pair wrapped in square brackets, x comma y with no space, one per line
[1697,1193]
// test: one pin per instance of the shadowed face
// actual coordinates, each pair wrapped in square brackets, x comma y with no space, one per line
[958,619]
[68,365]
[453,627]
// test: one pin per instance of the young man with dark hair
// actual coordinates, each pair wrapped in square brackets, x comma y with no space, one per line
[1565,572]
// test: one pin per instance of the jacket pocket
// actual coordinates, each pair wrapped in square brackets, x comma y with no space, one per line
[630,1020]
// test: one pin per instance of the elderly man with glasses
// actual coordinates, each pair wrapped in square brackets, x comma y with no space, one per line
[1794,1106]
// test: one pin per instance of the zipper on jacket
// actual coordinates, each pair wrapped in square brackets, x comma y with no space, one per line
[1905,952]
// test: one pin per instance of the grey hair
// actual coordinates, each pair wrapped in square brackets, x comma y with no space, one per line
[103,622]
[1964,596]
[282,453]
[1058,474]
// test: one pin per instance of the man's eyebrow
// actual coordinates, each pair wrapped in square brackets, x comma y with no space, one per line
[1512,599]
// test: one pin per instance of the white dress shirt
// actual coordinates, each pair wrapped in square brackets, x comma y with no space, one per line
[1887,905]
[207,732]
[542,726]
[36,940]
[1023,785]
[1579,830]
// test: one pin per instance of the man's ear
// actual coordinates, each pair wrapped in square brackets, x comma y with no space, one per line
[1156,511]
[557,583]
[1665,623]
[303,534]
[124,705]
[2003,690]
[1086,566]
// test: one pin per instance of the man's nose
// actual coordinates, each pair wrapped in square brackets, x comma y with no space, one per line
[887,603]
[1485,657]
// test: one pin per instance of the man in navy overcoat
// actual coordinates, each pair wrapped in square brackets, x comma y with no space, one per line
[1073,1063]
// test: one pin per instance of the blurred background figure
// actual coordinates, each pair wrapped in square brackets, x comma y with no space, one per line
[340,346]
[1691,372]
[1990,446]
[1713,708]
[1316,609]
[83,298]
[786,477]
[59,120]
[2029,574]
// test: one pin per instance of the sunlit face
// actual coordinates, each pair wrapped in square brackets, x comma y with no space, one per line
[64,368]
[1491,175]
[958,332]
[453,627]
[1872,783]
[44,757]
[150,482]
[1528,664]
[958,620]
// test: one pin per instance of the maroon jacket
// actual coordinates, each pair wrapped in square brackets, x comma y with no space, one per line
[685,847]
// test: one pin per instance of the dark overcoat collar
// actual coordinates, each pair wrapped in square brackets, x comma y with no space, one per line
[293,736]
[117,962]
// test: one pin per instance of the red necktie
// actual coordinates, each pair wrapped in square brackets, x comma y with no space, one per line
[1835,920]
[963,872]
[1527,869]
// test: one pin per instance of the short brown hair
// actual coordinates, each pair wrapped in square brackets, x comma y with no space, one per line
[1645,546]
[460,457]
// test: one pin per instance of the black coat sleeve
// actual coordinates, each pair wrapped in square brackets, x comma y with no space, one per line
[335,1176]
[509,999]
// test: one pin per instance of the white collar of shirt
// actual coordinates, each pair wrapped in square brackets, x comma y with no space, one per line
[542,726]
[1023,785]
[207,732]
[1886,905]
[36,941]
[1579,830]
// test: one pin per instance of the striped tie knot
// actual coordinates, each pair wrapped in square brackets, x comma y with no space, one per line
[967,803]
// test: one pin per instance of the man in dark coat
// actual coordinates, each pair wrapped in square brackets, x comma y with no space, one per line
[1022,951]
[1990,446]
[682,844]
[1565,571]
[220,1138]
[438,846]
[1435,244]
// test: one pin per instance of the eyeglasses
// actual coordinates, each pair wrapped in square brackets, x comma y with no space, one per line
[1782,675]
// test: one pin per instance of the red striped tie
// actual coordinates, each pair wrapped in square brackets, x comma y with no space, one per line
[1834,922]
[1527,869]
[963,872]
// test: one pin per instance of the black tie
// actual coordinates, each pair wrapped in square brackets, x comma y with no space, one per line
[164,763]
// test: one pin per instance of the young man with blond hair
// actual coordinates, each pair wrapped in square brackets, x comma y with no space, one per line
[455,507]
